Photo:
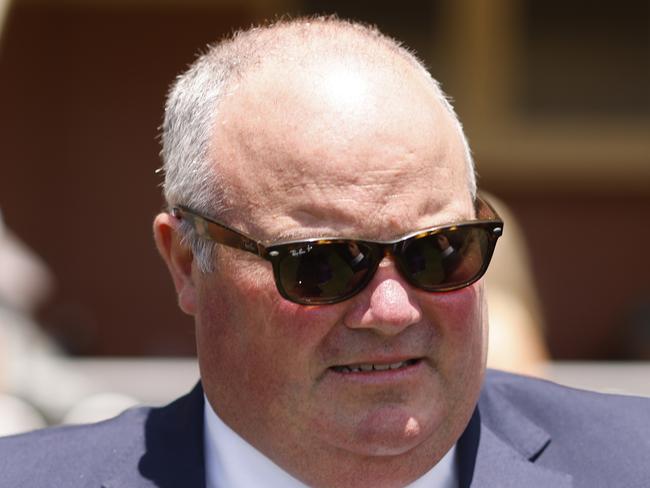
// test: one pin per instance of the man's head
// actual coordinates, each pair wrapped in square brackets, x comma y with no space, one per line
[322,128]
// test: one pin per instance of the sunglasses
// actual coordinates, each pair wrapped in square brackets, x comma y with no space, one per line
[329,270]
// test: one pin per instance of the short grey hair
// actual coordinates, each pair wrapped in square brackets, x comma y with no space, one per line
[192,106]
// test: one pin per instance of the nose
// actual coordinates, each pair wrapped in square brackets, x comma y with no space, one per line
[388,305]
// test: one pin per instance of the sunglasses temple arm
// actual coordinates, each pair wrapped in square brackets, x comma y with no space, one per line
[221,234]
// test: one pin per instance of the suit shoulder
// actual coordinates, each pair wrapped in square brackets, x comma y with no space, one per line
[540,394]
[590,434]
[568,414]
[40,457]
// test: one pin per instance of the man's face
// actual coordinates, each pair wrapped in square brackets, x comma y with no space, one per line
[347,152]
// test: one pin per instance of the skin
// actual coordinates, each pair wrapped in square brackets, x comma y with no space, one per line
[302,159]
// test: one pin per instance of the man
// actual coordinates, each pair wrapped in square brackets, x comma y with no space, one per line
[325,233]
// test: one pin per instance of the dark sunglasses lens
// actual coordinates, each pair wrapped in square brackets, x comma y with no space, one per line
[446,259]
[324,272]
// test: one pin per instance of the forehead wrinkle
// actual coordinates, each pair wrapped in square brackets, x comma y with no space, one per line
[385,222]
[381,222]
[354,172]
[310,208]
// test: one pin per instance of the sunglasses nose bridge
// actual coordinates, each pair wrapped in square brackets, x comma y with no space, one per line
[390,254]
[386,250]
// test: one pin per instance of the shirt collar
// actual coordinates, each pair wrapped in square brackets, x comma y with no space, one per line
[230,461]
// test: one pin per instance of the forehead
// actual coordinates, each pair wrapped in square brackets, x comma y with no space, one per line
[339,147]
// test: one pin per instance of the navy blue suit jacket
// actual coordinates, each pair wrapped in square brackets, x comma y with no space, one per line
[524,433]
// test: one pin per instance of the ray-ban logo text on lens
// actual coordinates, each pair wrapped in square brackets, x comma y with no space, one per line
[301,250]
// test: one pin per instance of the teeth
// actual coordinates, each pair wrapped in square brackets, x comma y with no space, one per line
[365,367]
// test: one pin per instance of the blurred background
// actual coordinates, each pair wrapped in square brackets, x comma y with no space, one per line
[554,97]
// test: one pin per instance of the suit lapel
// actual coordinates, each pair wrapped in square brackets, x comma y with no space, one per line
[499,448]
[172,452]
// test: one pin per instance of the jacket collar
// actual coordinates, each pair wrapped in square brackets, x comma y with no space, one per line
[500,446]
[171,453]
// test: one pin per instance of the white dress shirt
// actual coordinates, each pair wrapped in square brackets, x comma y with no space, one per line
[231,462]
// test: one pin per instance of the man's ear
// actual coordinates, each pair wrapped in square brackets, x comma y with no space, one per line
[178,259]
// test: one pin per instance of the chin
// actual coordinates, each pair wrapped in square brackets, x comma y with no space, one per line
[390,431]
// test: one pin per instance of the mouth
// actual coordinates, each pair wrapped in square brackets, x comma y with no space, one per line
[374,367]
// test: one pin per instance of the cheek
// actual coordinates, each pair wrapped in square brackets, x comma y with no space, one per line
[459,318]
[303,326]
[276,320]
[245,328]
[457,312]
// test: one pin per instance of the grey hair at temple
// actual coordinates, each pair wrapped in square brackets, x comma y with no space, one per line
[192,108]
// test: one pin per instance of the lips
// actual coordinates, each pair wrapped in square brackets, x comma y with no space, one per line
[372,367]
